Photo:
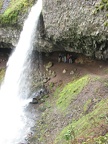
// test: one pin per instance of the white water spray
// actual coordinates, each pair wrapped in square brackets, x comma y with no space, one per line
[14,90]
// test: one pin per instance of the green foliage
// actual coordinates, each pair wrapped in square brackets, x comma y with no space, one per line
[106,24]
[85,126]
[103,5]
[70,91]
[70,135]
[51,85]
[86,106]
[2,73]
[1,3]
[102,139]
[104,1]
[107,6]
[15,8]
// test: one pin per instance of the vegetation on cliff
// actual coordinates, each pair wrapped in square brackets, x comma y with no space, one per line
[2,73]
[13,11]
[102,6]
[1,4]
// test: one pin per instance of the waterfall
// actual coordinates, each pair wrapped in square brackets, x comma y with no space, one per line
[15,90]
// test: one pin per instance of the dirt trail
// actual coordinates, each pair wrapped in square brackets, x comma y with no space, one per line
[94,67]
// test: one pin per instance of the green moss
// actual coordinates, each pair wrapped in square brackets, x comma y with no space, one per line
[101,7]
[70,91]
[107,6]
[15,8]
[2,73]
[102,139]
[1,4]
[107,15]
[104,1]
[106,24]
[85,126]
[86,105]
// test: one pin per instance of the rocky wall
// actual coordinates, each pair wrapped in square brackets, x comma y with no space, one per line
[67,25]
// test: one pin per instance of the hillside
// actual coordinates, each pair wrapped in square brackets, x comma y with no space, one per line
[75,112]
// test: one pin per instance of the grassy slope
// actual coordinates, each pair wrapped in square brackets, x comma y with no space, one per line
[70,91]
[86,126]
[15,8]
[89,128]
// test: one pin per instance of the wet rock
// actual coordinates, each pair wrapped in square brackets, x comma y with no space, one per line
[34,101]
[37,97]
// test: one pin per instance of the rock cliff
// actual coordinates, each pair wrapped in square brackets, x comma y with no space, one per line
[73,25]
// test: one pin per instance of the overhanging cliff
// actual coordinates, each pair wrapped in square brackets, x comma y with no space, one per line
[75,25]
[78,25]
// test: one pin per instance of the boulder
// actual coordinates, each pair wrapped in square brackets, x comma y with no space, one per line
[38,96]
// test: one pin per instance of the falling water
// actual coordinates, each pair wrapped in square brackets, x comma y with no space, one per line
[15,90]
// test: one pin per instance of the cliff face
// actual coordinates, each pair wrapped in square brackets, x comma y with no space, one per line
[78,25]
[74,25]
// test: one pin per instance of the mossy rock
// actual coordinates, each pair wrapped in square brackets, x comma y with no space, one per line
[101,7]
[2,73]
[104,1]
[106,24]
[106,6]
[15,8]
[1,3]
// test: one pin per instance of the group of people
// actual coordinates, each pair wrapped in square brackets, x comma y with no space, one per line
[66,58]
